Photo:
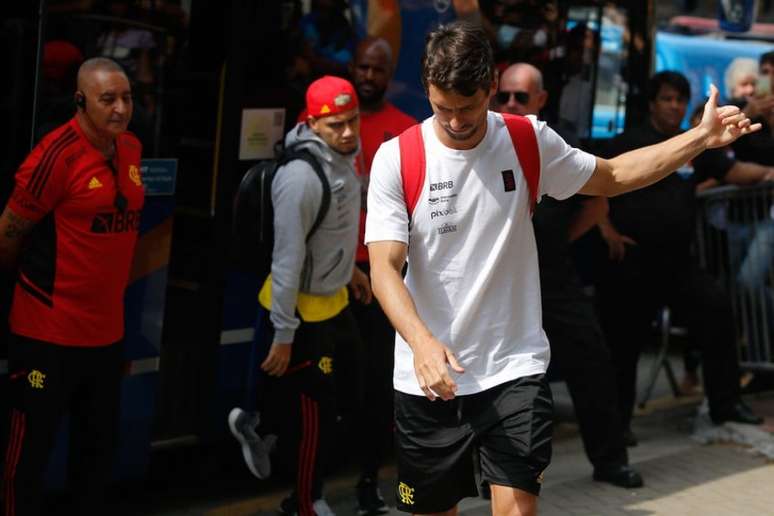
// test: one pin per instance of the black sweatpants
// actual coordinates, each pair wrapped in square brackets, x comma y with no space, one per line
[579,353]
[629,296]
[375,418]
[300,406]
[47,381]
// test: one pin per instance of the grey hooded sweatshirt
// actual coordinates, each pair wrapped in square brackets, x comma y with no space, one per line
[323,265]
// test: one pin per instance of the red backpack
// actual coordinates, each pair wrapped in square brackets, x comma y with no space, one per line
[412,159]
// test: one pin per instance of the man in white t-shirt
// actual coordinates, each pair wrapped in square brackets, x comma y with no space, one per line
[468,315]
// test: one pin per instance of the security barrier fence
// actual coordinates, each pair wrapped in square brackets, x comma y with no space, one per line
[736,243]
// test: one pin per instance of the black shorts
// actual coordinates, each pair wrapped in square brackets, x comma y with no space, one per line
[504,433]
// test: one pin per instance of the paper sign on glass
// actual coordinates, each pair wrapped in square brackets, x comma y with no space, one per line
[261,130]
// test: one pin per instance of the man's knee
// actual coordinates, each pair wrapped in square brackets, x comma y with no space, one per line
[511,501]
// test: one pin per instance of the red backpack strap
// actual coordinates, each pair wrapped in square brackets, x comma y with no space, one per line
[412,165]
[527,151]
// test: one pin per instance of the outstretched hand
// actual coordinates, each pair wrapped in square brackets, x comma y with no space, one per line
[724,124]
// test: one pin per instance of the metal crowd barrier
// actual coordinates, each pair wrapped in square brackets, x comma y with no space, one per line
[736,243]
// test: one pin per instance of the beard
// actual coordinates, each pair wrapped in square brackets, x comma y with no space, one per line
[372,95]
[459,135]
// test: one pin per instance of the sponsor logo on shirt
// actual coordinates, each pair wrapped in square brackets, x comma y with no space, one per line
[445,212]
[406,493]
[94,183]
[441,199]
[116,222]
[509,181]
[134,175]
[447,228]
[326,365]
[443,185]
[37,379]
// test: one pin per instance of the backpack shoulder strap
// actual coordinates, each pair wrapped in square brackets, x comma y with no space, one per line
[412,165]
[308,157]
[527,151]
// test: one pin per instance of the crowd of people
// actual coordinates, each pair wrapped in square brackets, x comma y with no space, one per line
[420,284]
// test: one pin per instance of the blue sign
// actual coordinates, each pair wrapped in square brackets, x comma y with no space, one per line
[159,176]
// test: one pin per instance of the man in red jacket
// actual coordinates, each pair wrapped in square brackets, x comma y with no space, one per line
[70,227]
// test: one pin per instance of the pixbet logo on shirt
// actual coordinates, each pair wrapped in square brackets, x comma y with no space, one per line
[443,185]
[443,213]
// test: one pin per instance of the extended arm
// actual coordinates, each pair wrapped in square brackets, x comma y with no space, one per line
[748,173]
[642,167]
[430,355]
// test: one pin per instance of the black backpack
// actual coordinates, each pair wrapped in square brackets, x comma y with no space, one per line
[253,212]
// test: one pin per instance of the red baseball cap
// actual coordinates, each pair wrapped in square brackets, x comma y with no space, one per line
[330,96]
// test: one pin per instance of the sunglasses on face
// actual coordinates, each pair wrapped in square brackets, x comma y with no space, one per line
[521,97]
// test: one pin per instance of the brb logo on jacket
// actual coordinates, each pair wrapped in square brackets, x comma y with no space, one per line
[116,222]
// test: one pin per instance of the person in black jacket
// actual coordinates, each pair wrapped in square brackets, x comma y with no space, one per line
[649,233]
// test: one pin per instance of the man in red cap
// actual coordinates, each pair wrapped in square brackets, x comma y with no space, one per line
[305,297]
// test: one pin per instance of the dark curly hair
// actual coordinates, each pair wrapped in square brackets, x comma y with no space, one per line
[669,78]
[458,57]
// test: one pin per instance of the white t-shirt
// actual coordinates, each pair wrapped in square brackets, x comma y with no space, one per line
[473,267]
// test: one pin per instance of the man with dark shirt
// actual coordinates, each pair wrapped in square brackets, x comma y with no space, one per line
[578,350]
[380,121]
[649,233]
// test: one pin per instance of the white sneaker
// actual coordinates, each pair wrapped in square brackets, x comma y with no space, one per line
[254,450]
[321,508]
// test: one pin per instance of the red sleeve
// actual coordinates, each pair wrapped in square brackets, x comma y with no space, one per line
[41,180]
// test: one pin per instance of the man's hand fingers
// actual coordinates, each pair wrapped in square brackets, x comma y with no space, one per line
[441,383]
[752,128]
[727,111]
[367,296]
[453,362]
[281,368]
[628,240]
[423,385]
[736,119]
[713,97]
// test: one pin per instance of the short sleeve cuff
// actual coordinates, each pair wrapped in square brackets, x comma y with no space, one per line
[25,205]
[386,235]
[587,168]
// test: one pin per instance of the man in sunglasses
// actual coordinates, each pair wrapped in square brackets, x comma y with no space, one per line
[70,229]
[578,350]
